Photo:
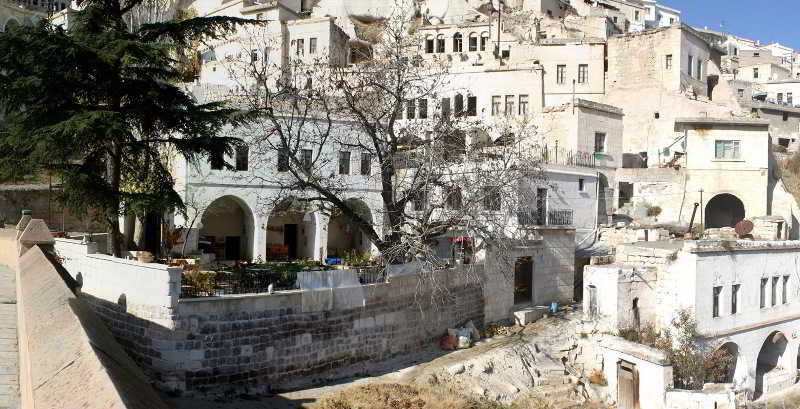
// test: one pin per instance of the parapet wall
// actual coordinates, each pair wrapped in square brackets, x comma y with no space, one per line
[69,359]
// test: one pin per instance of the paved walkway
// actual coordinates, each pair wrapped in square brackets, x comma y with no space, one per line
[9,355]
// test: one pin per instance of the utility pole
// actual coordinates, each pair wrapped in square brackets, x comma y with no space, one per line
[498,53]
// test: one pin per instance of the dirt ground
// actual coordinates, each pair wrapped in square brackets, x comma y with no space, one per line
[407,369]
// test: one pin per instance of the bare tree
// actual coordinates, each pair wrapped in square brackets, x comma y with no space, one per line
[437,172]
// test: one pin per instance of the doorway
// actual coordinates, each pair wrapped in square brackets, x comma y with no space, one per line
[233,245]
[523,280]
[627,386]
[290,239]
[152,233]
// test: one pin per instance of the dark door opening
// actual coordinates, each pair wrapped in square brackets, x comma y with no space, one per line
[523,280]
[233,245]
[290,239]
[625,194]
[152,233]
[724,210]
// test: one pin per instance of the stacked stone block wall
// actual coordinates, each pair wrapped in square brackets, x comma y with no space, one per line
[278,341]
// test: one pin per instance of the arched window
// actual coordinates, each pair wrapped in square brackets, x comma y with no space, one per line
[459,105]
[429,44]
[473,42]
[440,43]
[484,40]
[458,43]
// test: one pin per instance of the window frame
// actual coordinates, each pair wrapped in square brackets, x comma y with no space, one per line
[668,62]
[716,294]
[785,290]
[774,291]
[492,199]
[283,160]
[307,159]
[497,102]
[583,73]
[604,146]
[458,43]
[312,45]
[440,44]
[473,42]
[763,293]
[523,104]
[509,105]
[422,107]
[735,147]
[344,162]
[242,158]
[366,164]
[735,288]
[561,74]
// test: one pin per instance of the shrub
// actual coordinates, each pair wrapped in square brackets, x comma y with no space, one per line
[653,211]
[793,163]
[598,378]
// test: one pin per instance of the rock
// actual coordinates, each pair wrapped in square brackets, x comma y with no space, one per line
[476,335]
[456,369]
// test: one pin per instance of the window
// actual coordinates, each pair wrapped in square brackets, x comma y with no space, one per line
[458,43]
[581,186]
[473,42]
[459,105]
[755,72]
[242,156]
[440,43]
[300,47]
[785,116]
[472,106]
[741,93]
[774,291]
[453,198]
[583,73]
[420,200]
[217,159]
[509,105]
[495,105]
[715,308]
[671,21]
[253,55]
[491,199]
[691,66]
[484,40]
[763,294]
[615,19]
[344,162]
[366,164]
[423,108]
[429,45]
[756,54]
[560,72]
[599,142]
[523,105]
[283,160]
[735,298]
[636,15]
[780,97]
[306,159]
[668,62]
[785,290]
[789,98]
[411,109]
[445,108]
[726,149]
[699,69]
[312,46]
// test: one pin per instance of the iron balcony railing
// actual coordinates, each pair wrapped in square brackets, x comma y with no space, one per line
[540,217]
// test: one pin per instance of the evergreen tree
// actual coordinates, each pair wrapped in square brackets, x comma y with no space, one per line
[102,108]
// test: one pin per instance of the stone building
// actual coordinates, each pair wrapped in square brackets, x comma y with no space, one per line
[743,295]
[25,12]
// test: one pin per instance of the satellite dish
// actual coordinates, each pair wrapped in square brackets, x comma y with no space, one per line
[744,227]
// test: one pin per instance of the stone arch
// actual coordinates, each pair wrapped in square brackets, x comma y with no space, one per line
[769,364]
[227,229]
[292,230]
[730,368]
[11,22]
[344,235]
[723,210]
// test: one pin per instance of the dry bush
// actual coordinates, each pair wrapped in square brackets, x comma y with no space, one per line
[598,378]
[401,396]
[532,402]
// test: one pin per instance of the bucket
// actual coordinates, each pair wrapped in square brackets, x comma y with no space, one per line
[554,307]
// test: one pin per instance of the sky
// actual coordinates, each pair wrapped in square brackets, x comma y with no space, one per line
[766,20]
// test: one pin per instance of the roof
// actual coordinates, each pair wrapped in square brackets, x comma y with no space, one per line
[722,121]
[598,106]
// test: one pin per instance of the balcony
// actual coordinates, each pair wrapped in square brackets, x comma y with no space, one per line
[541,218]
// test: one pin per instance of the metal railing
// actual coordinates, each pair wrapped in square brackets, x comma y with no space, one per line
[256,280]
[553,217]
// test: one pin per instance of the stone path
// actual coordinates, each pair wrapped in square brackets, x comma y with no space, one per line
[9,355]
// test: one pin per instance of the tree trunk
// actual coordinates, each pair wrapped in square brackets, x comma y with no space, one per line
[113,211]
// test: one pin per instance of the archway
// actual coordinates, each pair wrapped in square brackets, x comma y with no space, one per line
[724,365]
[227,229]
[344,236]
[724,210]
[10,23]
[769,368]
[291,231]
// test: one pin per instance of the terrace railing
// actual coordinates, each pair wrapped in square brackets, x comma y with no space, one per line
[552,217]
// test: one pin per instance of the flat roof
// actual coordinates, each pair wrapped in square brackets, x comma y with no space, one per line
[722,121]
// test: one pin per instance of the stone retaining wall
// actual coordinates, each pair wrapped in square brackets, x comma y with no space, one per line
[266,342]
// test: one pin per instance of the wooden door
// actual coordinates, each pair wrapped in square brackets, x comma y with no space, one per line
[627,386]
